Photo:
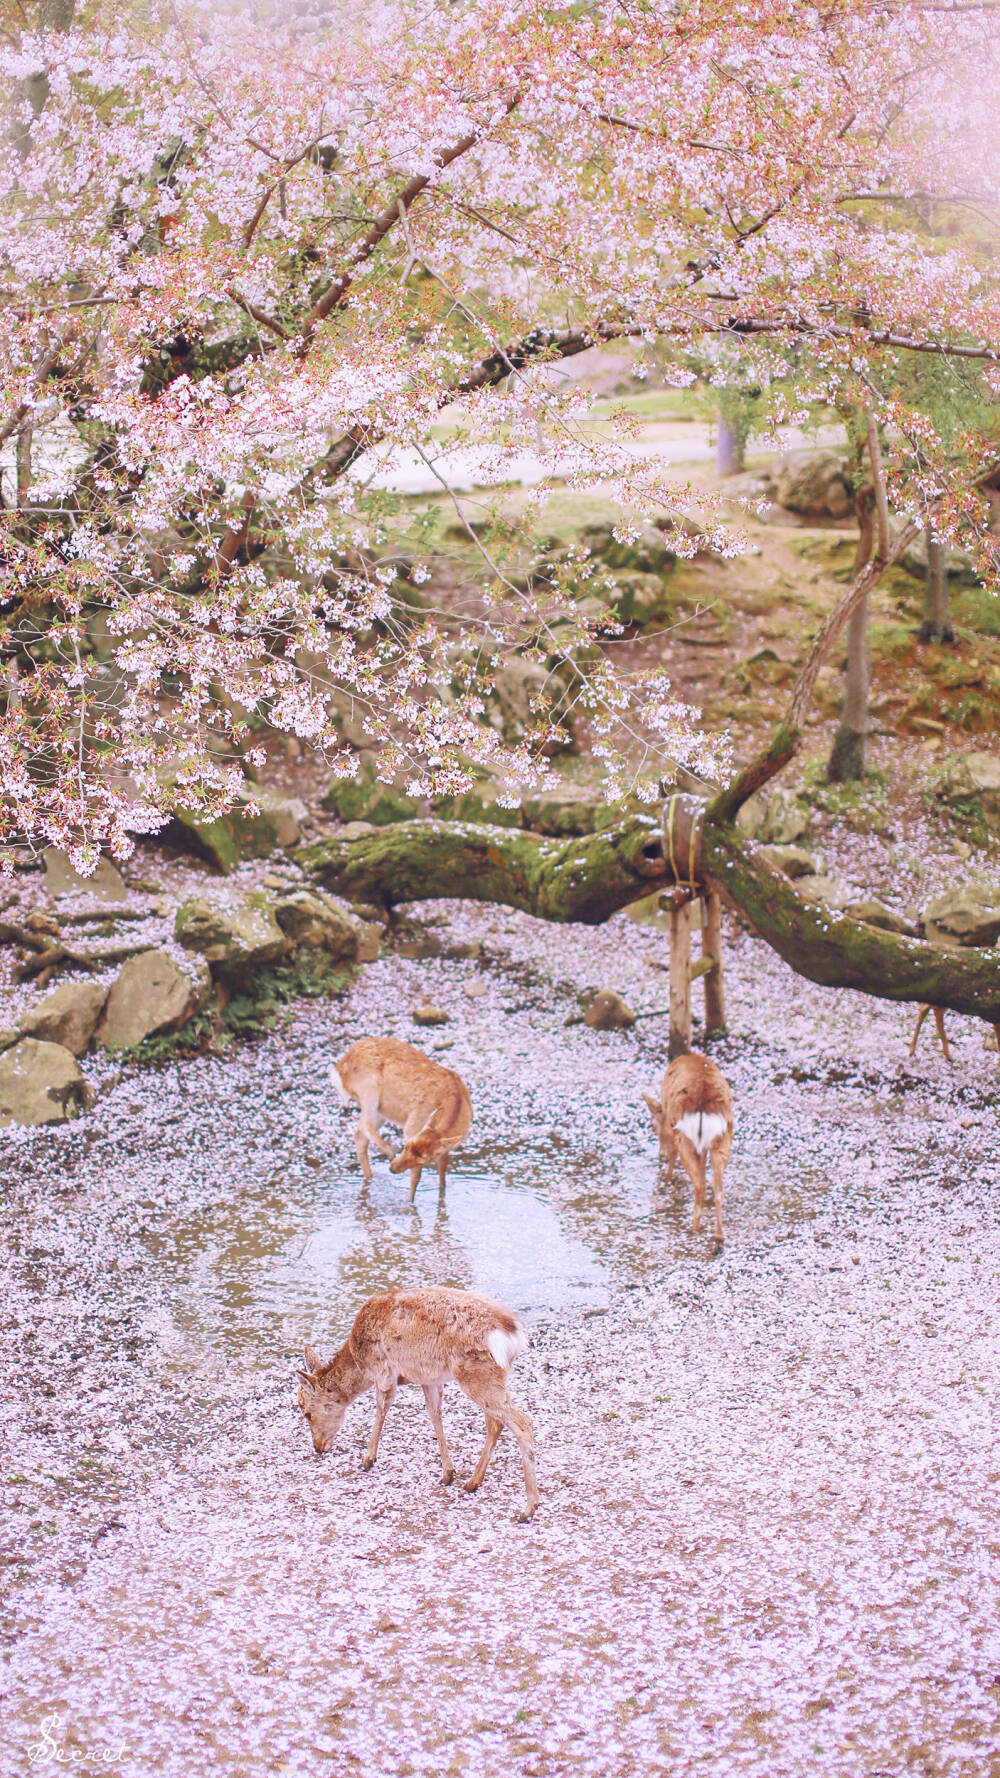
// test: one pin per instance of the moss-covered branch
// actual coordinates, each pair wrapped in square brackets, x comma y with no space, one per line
[589,879]
[843,953]
[585,879]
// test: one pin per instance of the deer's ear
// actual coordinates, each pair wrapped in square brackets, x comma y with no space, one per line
[313,1359]
[432,1120]
[654,1104]
[307,1377]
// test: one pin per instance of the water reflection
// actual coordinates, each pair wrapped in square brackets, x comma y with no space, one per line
[545,1225]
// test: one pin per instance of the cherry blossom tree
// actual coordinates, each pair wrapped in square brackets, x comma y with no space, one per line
[250,252]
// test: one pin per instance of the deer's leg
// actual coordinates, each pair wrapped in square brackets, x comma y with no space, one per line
[442,1166]
[694,1166]
[415,1173]
[371,1122]
[718,1168]
[670,1157]
[361,1144]
[921,1016]
[939,1022]
[432,1396]
[494,1428]
[486,1386]
[383,1402]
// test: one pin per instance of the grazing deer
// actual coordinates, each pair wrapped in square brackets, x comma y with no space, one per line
[942,1037]
[939,1022]
[694,1119]
[423,1337]
[394,1082]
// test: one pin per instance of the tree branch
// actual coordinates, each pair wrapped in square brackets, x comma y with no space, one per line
[589,879]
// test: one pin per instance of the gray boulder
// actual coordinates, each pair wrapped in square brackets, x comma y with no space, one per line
[40,1083]
[875,913]
[968,915]
[960,566]
[313,921]
[153,994]
[816,485]
[776,818]
[792,861]
[827,891]
[971,777]
[239,834]
[641,598]
[647,553]
[104,884]
[236,937]
[68,1016]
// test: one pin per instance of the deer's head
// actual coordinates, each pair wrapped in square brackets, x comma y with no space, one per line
[419,1148]
[321,1401]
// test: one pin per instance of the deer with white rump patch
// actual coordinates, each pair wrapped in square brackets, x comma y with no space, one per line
[394,1083]
[423,1337]
[694,1119]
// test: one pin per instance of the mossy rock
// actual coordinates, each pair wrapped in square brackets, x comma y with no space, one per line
[239,835]
[366,798]
[236,938]
[565,814]
[478,804]
[642,598]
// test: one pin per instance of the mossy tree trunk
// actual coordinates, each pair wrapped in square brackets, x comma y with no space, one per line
[847,755]
[936,626]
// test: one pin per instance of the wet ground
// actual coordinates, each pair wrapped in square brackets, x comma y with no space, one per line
[767,1541]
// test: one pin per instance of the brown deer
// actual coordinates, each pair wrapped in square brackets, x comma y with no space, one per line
[942,1037]
[423,1337]
[694,1119]
[395,1083]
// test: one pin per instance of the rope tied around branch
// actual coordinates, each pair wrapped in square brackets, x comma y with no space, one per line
[681,839]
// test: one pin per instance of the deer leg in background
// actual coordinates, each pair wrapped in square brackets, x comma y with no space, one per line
[921,1016]
[939,1022]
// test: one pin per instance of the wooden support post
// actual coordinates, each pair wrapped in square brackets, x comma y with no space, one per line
[680,979]
[711,950]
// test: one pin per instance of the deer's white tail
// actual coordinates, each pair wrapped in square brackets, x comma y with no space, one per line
[504,1347]
[341,1090]
[701,1128]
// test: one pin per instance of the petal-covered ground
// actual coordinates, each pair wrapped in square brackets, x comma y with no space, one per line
[767,1543]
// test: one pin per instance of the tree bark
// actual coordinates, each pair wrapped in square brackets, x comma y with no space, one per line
[847,755]
[589,879]
[730,448]
[711,950]
[936,626]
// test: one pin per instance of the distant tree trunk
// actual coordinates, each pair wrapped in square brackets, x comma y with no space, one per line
[936,626]
[730,447]
[847,755]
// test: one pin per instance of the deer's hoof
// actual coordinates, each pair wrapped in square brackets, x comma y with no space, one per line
[449,1476]
[470,1486]
[367,1462]
[525,1516]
